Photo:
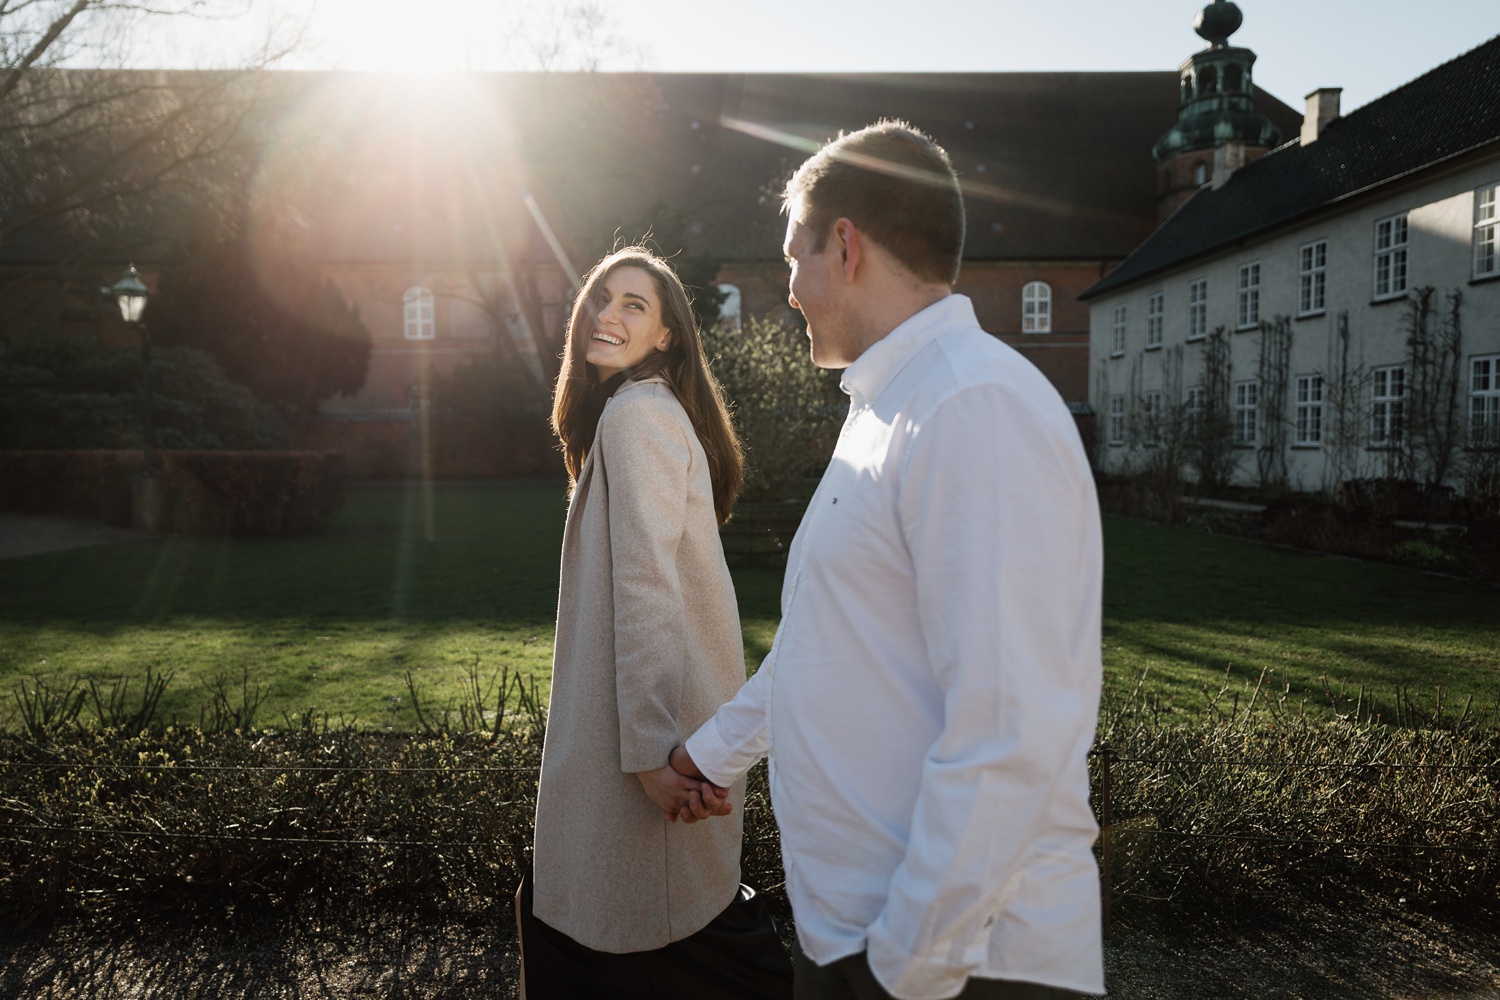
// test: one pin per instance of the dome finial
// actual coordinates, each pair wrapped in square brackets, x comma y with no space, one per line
[1216,22]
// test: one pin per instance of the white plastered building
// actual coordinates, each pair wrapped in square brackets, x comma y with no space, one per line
[1310,295]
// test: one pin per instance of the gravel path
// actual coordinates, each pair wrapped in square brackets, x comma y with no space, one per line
[1328,948]
[32,534]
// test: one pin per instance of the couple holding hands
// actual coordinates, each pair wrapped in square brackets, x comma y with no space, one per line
[931,695]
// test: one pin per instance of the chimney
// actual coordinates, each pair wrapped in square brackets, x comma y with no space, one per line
[1322,108]
[1228,157]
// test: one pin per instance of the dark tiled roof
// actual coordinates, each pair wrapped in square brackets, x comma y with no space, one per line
[1057,165]
[1447,111]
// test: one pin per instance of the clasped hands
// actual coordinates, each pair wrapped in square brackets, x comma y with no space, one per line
[682,792]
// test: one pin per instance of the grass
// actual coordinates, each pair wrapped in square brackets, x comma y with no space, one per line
[1195,611]
[336,621]
[333,621]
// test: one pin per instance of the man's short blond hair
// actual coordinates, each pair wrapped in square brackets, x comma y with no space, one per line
[894,183]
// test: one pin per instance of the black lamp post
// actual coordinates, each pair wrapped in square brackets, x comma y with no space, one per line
[130,292]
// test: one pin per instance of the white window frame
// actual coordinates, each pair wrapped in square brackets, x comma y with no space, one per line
[1249,296]
[731,309]
[1308,397]
[1387,405]
[1151,413]
[419,313]
[1487,231]
[1036,307]
[1198,309]
[1246,412]
[1116,420]
[1155,308]
[1392,235]
[1312,278]
[1193,402]
[1117,328]
[1484,401]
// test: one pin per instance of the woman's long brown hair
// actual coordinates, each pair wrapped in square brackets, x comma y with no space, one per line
[682,365]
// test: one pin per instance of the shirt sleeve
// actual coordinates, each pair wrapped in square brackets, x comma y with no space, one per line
[645,459]
[994,504]
[737,735]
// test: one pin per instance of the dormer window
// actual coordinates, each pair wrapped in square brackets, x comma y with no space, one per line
[1200,173]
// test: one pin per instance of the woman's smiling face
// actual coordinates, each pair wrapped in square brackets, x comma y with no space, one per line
[628,326]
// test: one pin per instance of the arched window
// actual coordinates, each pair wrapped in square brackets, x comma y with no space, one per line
[729,308]
[1187,88]
[1036,307]
[418,309]
[1208,80]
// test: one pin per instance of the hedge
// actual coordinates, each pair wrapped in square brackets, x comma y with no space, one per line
[1209,813]
[203,492]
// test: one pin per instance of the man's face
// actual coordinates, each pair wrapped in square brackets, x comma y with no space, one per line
[817,289]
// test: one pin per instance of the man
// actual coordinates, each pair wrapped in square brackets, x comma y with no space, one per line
[932,693]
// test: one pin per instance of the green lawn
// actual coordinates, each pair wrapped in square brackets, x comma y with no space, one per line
[1194,611]
[335,621]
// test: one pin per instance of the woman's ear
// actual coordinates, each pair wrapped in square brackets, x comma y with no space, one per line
[665,343]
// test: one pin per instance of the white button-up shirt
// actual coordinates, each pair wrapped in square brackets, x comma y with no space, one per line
[932,693]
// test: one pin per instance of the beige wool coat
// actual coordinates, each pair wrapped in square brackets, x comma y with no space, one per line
[648,646]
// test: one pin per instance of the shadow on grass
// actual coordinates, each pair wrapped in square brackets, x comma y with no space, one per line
[1200,610]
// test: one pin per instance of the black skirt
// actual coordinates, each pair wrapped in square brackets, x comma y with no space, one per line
[738,955]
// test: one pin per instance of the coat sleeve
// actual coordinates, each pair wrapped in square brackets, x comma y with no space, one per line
[646,458]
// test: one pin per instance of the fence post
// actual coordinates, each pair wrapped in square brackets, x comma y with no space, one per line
[1106,833]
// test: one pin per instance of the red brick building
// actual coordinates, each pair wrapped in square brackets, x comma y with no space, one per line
[452,212]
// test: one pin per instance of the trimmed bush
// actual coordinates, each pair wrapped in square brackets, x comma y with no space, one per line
[787,410]
[261,493]
[67,392]
[1210,813]
[106,812]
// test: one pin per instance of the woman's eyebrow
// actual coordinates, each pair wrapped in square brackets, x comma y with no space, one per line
[638,298]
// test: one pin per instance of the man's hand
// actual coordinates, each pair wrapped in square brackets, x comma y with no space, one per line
[683,764]
[682,797]
[715,798]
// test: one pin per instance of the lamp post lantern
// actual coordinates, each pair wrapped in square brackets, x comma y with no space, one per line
[131,293]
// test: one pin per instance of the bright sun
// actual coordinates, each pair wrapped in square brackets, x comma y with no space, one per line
[435,36]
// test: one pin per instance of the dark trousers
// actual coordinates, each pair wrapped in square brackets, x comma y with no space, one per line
[851,979]
[738,956]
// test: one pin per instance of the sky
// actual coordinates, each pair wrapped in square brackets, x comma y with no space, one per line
[1367,47]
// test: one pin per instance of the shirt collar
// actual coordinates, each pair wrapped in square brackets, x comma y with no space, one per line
[875,368]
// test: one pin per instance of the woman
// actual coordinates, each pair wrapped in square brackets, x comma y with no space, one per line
[624,900]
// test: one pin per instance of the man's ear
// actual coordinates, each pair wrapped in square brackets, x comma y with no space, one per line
[851,245]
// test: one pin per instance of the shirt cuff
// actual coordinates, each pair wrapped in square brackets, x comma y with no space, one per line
[719,763]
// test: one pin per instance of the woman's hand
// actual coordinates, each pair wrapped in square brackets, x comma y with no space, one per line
[684,798]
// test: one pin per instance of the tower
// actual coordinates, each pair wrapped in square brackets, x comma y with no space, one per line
[1218,129]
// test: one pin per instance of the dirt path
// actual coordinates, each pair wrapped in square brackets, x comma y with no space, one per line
[1321,949]
[33,534]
